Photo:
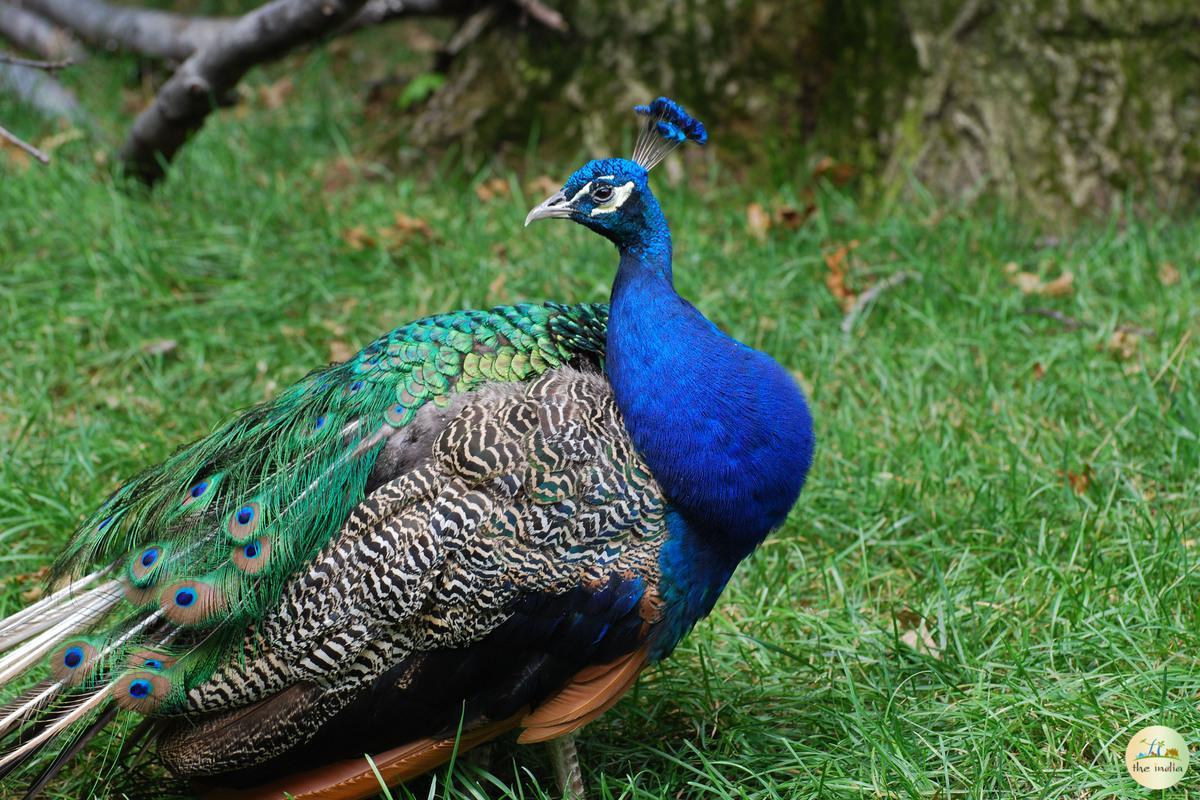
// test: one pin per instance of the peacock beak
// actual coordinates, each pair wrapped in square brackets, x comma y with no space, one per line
[554,206]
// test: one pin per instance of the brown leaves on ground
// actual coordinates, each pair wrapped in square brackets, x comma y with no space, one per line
[274,95]
[403,230]
[916,634]
[1079,481]
[492,188]
[1123,344]
[785,216]
[37,579]
[542,186]
[1168,274]
[838,173]
[1030,283]
[837,263]
[159,347]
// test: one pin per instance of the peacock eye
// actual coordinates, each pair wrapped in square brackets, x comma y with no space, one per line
[602,194]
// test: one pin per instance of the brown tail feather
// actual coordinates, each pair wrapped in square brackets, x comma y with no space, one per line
[353,779]
[594,691]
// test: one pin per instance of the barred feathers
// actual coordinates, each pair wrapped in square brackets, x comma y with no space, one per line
[189,554]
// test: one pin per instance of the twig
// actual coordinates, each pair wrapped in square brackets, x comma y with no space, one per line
[1068,323]
[870,295]
[1072,324]
[48,66]
[1174,354]
[542,13]
[12,138]
[185,101]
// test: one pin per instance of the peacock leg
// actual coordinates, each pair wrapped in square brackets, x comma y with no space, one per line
[566,767]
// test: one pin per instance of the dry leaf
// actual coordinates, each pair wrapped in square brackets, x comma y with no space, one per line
[1062,286]
[500,251]
[836,172]
[790,217]
[1080,481]
[491,189]
[1031,282]
[1168,274]
[1039,371]
[838,262]
[358,238]
[274,95]
[334,327]
[54,141]
[1123,344]
[339,174]
[496,287]
[543,186]
[16,156]
[339,351]
[159,347]
[757,220]
[921,640]
[403,230]
[1028,282]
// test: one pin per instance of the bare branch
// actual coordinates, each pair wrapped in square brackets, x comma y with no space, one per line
[30,63]
[212,73]
[175,37]
[42,93]
[870,295]
[543,14]
[157,34]
[11,138]
[379,11]
[31,32]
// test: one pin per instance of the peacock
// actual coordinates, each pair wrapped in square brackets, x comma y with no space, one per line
[485,521]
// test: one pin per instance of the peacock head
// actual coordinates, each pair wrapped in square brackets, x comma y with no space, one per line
[612,195]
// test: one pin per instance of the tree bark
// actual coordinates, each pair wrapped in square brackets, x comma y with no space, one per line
[737,61]
[35,34]
[157,34]
[1058,107]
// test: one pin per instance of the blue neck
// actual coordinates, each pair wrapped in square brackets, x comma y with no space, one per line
[724,429]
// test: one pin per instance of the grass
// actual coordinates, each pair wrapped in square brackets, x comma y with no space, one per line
[989,584]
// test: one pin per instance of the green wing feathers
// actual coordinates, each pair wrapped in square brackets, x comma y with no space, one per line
[189,553]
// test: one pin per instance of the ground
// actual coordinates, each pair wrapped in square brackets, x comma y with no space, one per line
[989,583]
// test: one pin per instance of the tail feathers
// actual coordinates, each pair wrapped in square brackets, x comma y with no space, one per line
[74,710]
[76,615]
[67,753]
[49,610]
[25,707]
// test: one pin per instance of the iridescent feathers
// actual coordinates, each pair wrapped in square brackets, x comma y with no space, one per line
[666,126]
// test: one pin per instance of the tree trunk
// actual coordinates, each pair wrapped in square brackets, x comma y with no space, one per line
[1056,105]
[1059,106]
[735,60]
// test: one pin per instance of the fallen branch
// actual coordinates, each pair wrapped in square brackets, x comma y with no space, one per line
[35,34]
[870,295]
[1071,324]
[12,138]
[175,37]
[41,92]
[376,12]
[31,63]
[543,14]
[186,100]
[157,34]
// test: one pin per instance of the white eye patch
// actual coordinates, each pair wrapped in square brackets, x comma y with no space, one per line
[620,195]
